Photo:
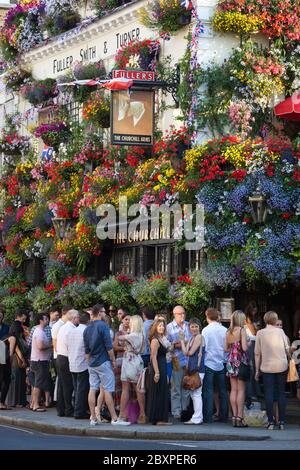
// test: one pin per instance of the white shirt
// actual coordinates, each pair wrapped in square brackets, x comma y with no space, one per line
[214,335]
[54,331]
[76,351]
[61,345]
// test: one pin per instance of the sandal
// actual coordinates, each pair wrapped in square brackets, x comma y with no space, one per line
[240,423]
[270,426]
[39,409]
[234,421]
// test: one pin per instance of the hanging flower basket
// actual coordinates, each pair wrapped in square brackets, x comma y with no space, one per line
[53,134]
[13,144]
[39,92]
[184,18]
[97,110]
[138,54]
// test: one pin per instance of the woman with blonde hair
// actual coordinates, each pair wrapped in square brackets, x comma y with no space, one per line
[158,393]
[236,345]
[132,367]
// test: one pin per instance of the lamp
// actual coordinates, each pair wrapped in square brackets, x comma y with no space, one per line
[61,226]
[258,206]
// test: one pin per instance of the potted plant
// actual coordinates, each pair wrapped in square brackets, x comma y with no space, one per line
[39,91]
[97,110]
[165,16]
[152,292]
[53,134]
[116,291]
[138,54]
[15,77]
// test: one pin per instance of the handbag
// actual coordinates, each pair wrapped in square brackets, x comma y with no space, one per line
[244,369]
[192,381]
[244,372]
[292,375]
[22,364]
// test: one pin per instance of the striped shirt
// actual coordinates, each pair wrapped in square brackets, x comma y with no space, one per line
[173,330]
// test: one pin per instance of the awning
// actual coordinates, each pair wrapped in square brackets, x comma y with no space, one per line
[114,84]
[289,109]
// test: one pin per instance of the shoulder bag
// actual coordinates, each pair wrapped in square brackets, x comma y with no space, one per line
[244,369]
[193,381]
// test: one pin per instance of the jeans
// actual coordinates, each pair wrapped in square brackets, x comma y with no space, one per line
[269,384]
[208,394]
[179,396]
[81,389]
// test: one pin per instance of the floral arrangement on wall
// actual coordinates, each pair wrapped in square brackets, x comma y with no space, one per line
[138,54]
[53,134]
[96,110]
[40,91]
[165,16]
[275,19]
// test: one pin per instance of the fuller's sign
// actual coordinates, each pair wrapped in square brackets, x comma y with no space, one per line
[140,75]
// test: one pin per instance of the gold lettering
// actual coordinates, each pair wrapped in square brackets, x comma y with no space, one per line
[154,234]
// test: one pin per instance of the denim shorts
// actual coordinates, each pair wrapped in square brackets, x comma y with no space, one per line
[102,375]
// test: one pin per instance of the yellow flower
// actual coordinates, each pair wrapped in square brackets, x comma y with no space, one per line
[170,172]
[193,156]
[157,187]
[235,155]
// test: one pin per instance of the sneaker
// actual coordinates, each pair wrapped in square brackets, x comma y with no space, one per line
[281,426]
[121,422]
[94,422]
[189,422]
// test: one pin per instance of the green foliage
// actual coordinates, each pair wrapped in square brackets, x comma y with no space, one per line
[80,294]
[39,299]
[56,271]
[153,293]
[12,304]
[213,105]
[102,7]
[115,292]
[193,297]
[185,89]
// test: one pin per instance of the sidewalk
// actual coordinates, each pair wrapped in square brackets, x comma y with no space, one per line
[49,422]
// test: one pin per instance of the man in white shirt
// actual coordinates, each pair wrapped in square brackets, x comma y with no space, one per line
[41,350]
[64,393]
[214,335]
[79,367]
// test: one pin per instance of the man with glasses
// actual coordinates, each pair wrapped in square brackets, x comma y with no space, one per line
[101,361]
[178,330]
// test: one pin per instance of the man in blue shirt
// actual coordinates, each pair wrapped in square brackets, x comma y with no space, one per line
[101,360]
[4,329]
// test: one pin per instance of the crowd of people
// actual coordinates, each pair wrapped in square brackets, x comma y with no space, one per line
[117,368]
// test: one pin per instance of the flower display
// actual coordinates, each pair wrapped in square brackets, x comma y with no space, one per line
[96,110]
[192,292]
[138,54]
[153,292]
[15,77]
[53,134]
[40,91]
[116,291]
[165,16]
[272,17]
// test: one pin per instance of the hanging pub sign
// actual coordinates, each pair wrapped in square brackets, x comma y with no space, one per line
[132,117]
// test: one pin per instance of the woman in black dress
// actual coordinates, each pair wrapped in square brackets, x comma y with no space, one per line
[158,393]
[17,391]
